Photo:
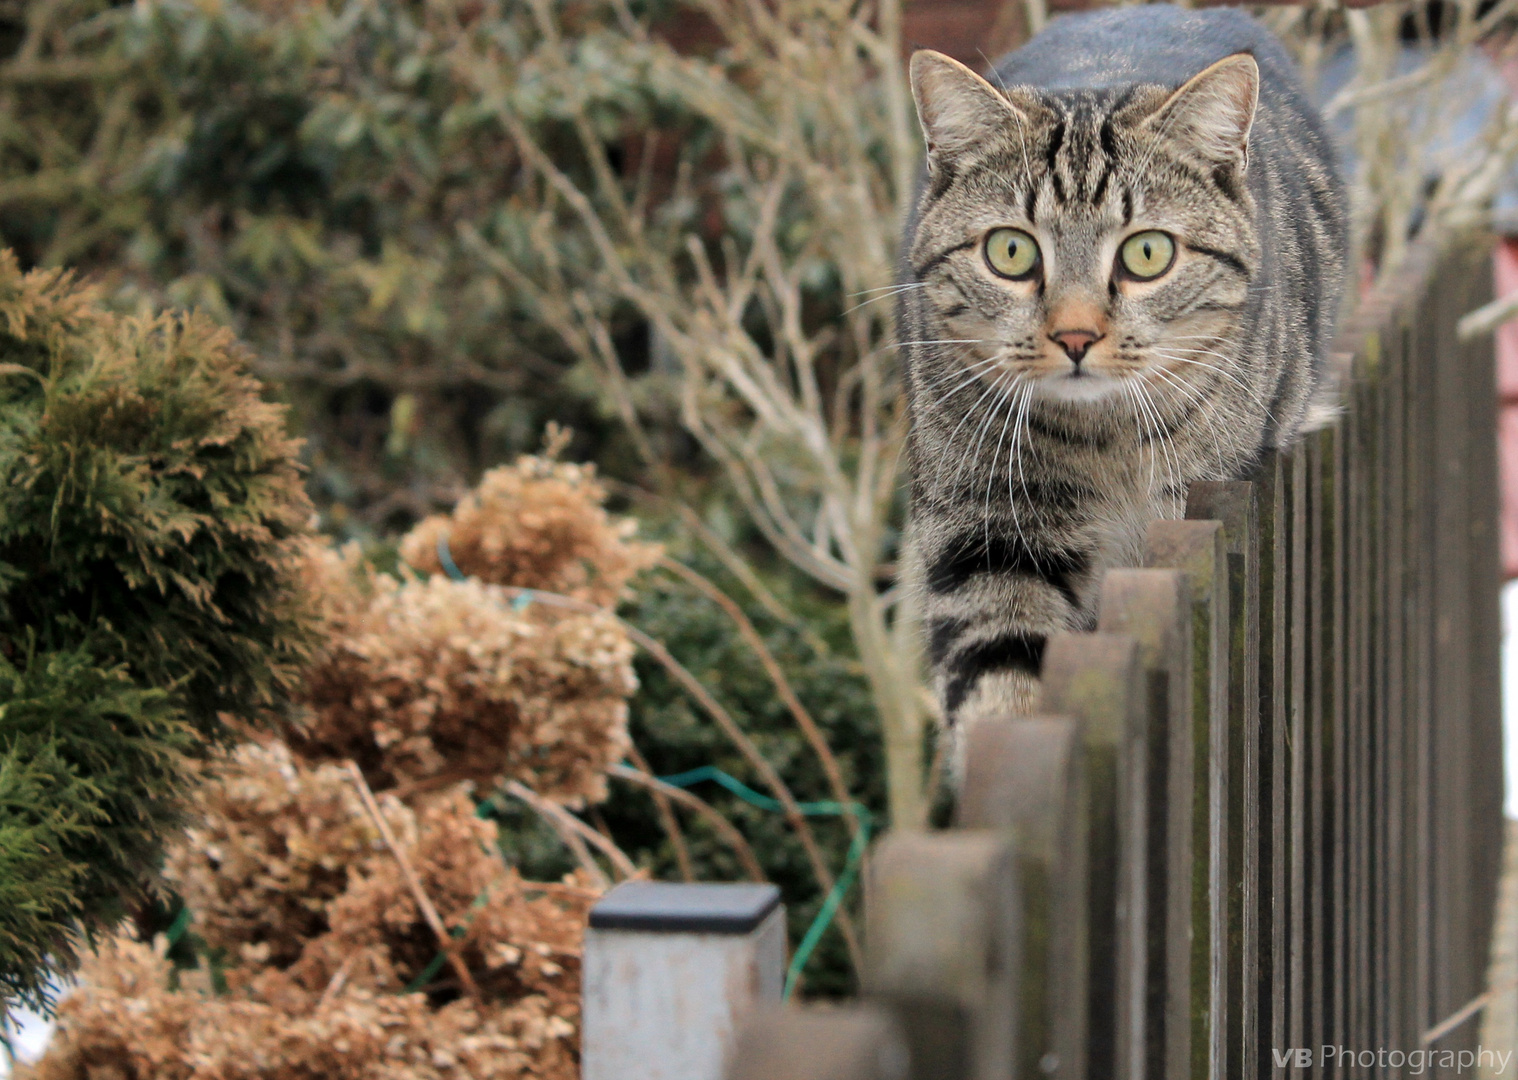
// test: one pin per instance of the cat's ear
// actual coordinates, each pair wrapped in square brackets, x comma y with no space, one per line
[1214,111]
[956,107]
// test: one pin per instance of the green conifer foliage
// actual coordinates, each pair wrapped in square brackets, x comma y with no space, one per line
[151,512]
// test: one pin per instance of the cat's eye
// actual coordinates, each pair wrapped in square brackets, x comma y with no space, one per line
[1011,253]
[1147,255]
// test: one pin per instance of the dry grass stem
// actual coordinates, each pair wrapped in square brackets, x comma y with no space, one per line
[782,685]
[574,825]
[667,819]
[414,883]
[724,828]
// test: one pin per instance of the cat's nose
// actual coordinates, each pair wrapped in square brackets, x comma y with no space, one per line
[1075,342]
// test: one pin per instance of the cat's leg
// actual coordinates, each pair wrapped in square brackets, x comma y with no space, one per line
[988,609]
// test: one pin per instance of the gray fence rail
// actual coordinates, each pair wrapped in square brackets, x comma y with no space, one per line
[1259,814]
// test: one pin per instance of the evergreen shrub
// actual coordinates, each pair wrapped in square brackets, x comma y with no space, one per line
[151,530]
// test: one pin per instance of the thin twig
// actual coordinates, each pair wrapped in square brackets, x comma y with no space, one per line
[616,855]
[724,827]
[668,820]
[772,668]
[335,985]
[423,902]
[571,840]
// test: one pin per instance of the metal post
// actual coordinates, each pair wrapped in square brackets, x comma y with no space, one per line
[670,971]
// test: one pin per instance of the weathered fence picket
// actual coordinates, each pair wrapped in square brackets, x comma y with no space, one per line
[1255,828]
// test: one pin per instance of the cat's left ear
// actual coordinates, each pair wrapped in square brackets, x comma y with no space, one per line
[1213,112]
[958,109]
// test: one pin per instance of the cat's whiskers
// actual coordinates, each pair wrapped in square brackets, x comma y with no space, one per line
[1178,473]
[900,286]
[1174,380]
[1155,428]
[888,293]
[1022,134]
[973,455]
[1251,392]
[1195,395]
[966,458]
[973,374]
[1171,456]
[950,341]
[1016,450]
[1188,355]
[1128,386]
[1200,351]
[1012,410]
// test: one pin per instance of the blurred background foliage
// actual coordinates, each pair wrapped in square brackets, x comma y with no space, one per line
[302,171]
[316,176]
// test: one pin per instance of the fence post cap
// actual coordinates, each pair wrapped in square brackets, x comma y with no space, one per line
[679,908]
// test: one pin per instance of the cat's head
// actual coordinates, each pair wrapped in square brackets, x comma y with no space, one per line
[1072,240]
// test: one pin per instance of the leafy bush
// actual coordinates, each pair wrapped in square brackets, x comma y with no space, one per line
[151,513]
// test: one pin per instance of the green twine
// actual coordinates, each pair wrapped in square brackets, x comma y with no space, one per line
[445,557]
[484,809]
[178,927]
[823,808]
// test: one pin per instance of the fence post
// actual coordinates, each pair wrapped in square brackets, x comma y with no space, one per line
[1027,778]
[1197,549]
[942,919]
[668,972]
[1096,680]
[856,1042]
[1154,607]
[1234,504]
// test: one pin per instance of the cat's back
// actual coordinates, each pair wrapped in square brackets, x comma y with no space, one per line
[1166,45]
[1148,43]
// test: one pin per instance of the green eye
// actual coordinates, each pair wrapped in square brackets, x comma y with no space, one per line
[1147,255]
[1011,253]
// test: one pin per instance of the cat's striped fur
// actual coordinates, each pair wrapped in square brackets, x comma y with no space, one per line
[1053,417]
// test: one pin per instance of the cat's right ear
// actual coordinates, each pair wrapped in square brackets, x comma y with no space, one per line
[956,107]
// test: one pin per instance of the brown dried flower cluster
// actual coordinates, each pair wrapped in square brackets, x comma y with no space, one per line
[271,847]
[125,1024]
[428,686]
[437,680]
[290,879]
[537,524]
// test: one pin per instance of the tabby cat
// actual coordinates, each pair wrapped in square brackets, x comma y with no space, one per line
[1121,276]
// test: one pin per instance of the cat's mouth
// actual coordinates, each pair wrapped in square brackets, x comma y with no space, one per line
[1077,383]
[1079,386]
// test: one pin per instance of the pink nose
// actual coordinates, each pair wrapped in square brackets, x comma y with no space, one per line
[1075,342]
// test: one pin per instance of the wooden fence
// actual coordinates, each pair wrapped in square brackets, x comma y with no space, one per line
[1260,811]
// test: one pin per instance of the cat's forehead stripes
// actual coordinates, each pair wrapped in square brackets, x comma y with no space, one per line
[1065,158]
[1077,160]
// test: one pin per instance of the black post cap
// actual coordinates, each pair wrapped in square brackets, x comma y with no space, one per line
[675,908]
